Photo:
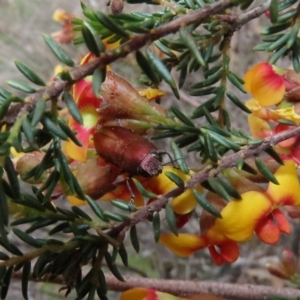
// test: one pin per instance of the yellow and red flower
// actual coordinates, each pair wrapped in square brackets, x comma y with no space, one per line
[287,149]
[256,212]
[182,205]
[147,294]
[266,83]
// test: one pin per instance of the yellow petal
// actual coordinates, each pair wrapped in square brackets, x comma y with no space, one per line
[185,203]
[265,84]
[76,201]
[75,152]
[161,184]
[258,127]
[136,293]
[184,244]
[288,190]
[239,217]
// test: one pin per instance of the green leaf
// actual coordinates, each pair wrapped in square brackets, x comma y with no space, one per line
[229,189]
[53,128]
[4,214]
[134,239]
[58,51]
[179,158]
[123,205]
[171,219]
[98,78]
[182,117]
[5,282]
[96,208]
[25,279]
[236,81]
[12,177]
[38,112]
[263,169]
[28,131]
[273,9]
[21,86]
[147,68]
[29,74]
[67,130]
[206,205]
[275,156]
[4,107]
[110,24]
[162,71]
[293,36]
[156,226]
[142,190]
[218,188]
[235,100]
[91,40]
[26,238]
[209,81]
[123,254]
[112,267]
[81,213]
[175,178]
[72,107]
[211,151]
[191,45]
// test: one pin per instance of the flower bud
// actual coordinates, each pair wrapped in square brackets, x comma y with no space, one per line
[288,261]
[28,162]
[96,180]
[277,270]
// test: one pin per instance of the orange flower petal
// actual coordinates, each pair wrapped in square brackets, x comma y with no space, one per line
[258,127]
[286,143]
[267,231]
[229,251]
[184,244]
[215,255]
[265,84]
[282,223]
[122,192]
[239,217]
[288,190]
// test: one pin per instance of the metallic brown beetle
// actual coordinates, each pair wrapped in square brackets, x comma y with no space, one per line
[129,151]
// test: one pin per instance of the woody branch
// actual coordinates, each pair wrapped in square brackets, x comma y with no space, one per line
[135,43]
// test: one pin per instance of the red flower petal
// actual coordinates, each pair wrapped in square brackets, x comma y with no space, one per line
[267,231]
[282,223]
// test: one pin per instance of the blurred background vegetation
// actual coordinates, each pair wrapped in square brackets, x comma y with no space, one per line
[21,25]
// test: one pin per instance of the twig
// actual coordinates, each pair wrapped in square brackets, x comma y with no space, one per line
[108,57]
[185,288]
[210,171]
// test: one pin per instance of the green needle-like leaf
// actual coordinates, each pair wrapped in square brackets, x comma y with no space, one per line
[29,74]
[205,204]
[263,169]
[171,219]
[58,51]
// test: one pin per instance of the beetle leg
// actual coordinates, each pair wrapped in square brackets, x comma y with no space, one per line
[130,204]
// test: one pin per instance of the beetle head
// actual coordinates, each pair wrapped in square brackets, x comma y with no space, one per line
[150,165]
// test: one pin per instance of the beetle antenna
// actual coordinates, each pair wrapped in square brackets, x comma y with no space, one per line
[130,204]
[164,152]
